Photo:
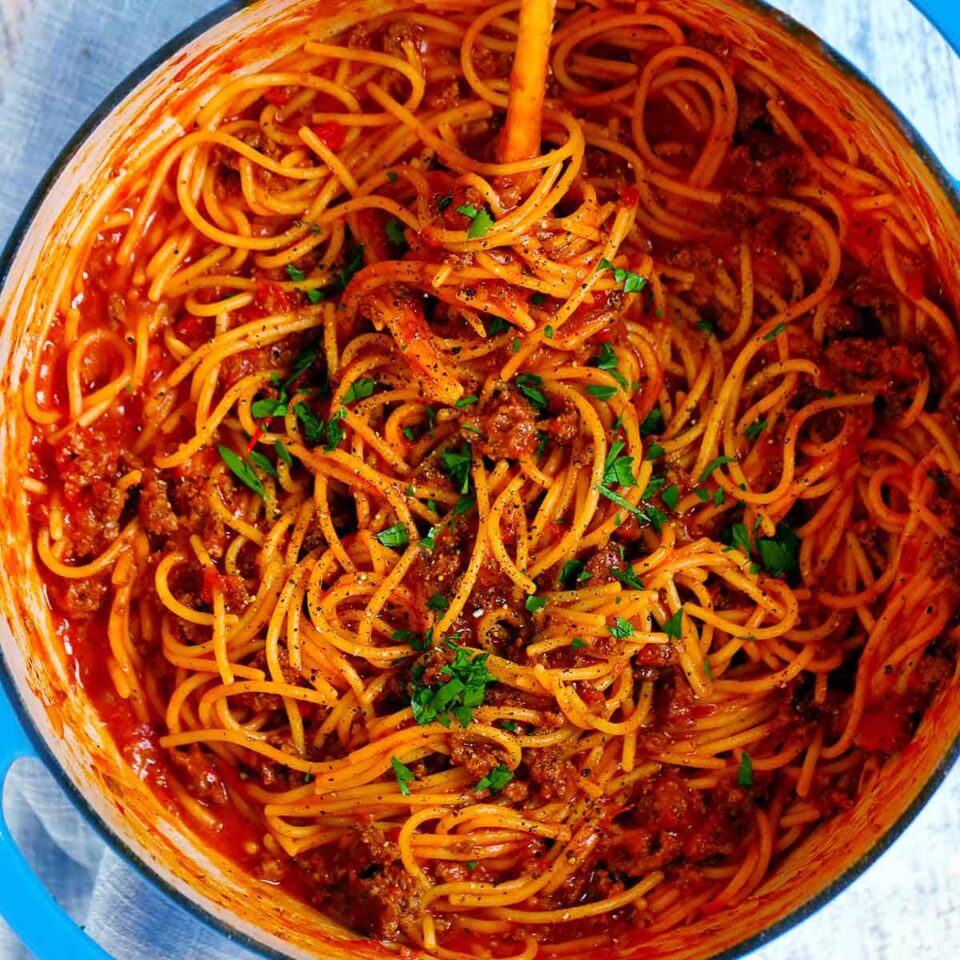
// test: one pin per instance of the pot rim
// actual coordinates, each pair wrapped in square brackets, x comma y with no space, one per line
[8,687]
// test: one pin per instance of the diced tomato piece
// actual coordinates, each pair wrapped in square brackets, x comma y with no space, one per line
[630,196]
[279,96]
[271,298]
[331,134]
[212,581]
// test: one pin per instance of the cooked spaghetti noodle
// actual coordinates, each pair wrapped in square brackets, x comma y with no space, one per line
[498,469]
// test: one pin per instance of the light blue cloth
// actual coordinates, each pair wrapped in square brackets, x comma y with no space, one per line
[71,54]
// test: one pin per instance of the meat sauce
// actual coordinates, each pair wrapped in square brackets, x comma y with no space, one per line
[664,824]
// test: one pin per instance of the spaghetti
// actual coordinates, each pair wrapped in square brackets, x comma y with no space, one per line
[499,472]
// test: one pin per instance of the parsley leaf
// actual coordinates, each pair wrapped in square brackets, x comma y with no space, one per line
[283,453]
[533,604]
[740,538]
[714,465]
[630,281]
[745,773]
[529,385]
[601,392]
[755,429]
[775,332]
[459,696]
[395,536]
[261,461]
[654,452]
[393,228]
[495,780]
[482,221]
[628,577]
[265,409]
[653,422]
[403,774]
[353,266]
[496,326]
[673,628]
[621,629]
[456,464]
[313,427]
[573,572]
[295,273]
[671,496]
[438,602]
[241,469]
[359,390]
[466,401]
[779,553]
[617,469]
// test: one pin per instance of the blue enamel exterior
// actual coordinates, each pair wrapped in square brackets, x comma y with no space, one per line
[37,919]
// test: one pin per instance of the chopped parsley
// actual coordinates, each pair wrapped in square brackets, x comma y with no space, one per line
[607,360]
[359,390]
[707,669]
[621,629]
[529,385]
[241,469]
[779,553]
[703,494]
[673,628]
[392,177]
[439,603]
[533,604]
[538,299]
[495,780]
[745,773]
[466,401]
[458,696]
[653,422]
[630,282]
[395,536]
[706,327]
[617,469]
[601,392]
[628,577]
[577,643]
[456,464]
[353,266]
[496,326]
[295,273]
[654,452]
[714,465]
[573,572]
[283,453]
[445,201]
[938,477]
[755,429]
[265,409]
[548,332]
[403,774]
[775,332]
[314,295]
[740,538]
[482,221]
[261,461]
[393,228]
[515,346]
[671,496]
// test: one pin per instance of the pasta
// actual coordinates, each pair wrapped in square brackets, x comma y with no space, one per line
[497,469]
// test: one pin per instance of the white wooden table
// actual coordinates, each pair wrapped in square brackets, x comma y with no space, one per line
[907,906]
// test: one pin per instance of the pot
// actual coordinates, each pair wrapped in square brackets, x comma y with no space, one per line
[43,710]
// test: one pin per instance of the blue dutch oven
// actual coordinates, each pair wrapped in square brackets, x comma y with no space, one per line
[248,918]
